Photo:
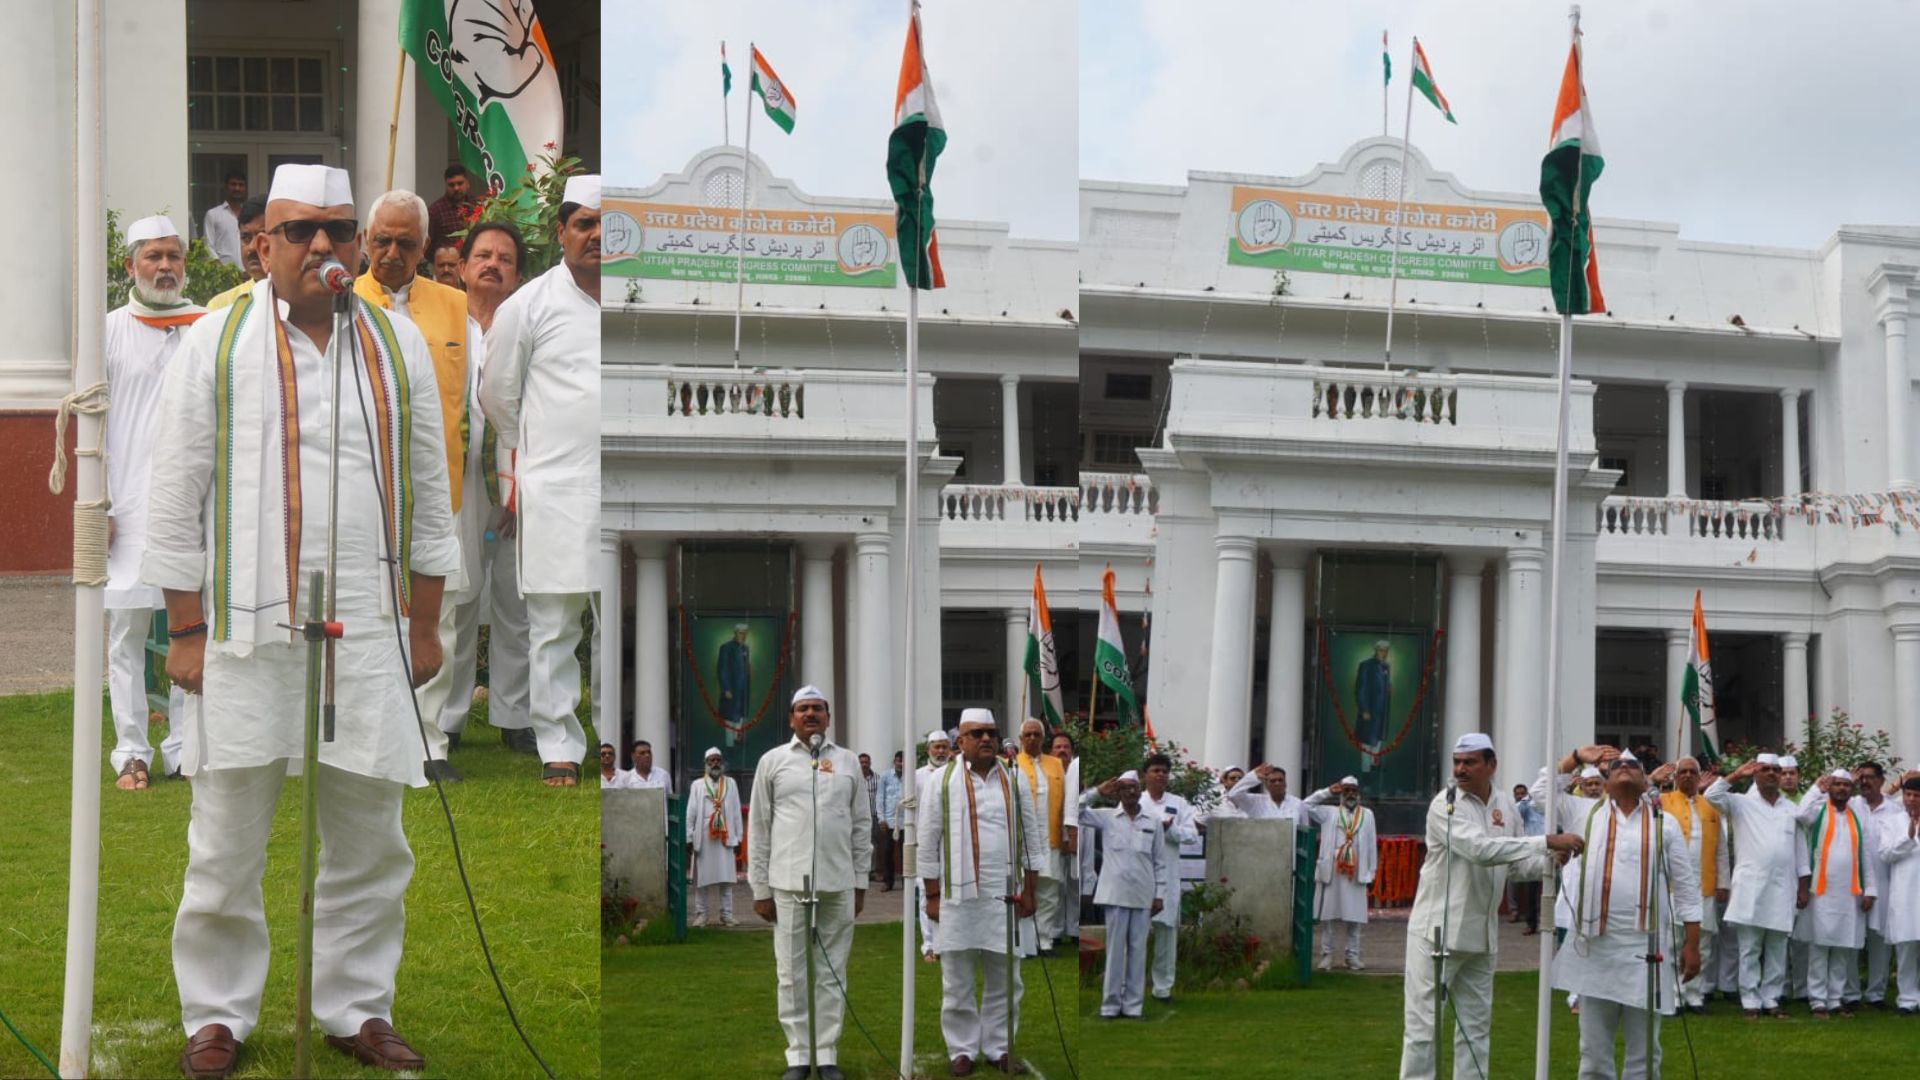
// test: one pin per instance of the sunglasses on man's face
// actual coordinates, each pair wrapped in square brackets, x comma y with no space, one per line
[301,230]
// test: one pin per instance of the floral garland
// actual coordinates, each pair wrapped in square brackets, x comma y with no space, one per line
[700,684]
[1893,509]
[1419,696]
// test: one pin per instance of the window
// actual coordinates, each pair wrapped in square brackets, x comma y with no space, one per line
[967,686]
[1114,449]
[1122,386]
[1623,712]
[1713,488]
[1624,465]
[282,94]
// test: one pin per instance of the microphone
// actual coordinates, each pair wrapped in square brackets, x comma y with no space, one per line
[335,277]
[1452,789]
[814,743]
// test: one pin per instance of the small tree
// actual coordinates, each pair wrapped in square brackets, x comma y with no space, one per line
[532,205]
[1834,743]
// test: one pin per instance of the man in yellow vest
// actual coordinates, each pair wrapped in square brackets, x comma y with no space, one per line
[1047,779]
[1706,841]
[395,238]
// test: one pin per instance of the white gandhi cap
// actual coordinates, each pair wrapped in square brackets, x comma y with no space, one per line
[1471,742]
[151,228]
[1787,762]
[808,693]
[583,189]
[937,735]
[975,718]
[1768,759]
[713,752]
[315,185]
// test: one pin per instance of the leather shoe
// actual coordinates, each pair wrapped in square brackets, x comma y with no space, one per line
[1007,1065]
[797,1072]
[519,740]
[443,771]
[960,1066]
[210,1053]
[380,1046]
[830,1072]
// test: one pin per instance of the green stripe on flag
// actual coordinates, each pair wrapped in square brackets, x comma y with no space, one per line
[912,150]
[1427,90]
[1572,244]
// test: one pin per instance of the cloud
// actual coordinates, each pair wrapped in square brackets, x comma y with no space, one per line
[1758,122]
[1005,75]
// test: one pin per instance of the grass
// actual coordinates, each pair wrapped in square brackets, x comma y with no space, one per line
[530,854]
[1350,1025]
[705,1009]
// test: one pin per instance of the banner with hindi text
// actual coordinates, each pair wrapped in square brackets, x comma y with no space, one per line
[677,242]
[1293,230]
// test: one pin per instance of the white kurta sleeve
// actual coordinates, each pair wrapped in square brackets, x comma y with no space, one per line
[176,554]
[862,832]
[503,382]
[1162,872]
[1480,847]
[1034,830]
[1720,796]
[931,828]
[1184,831]
[760,831]
[436,551]
[1683,873]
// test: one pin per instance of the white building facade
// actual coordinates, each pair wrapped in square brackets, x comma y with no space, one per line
[1308,499]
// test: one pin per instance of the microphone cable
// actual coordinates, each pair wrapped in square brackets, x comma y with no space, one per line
[413,696]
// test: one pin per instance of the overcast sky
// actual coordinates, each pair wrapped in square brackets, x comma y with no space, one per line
[1004,76]
[1743,121]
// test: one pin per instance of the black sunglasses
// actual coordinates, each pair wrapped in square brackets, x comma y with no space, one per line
[301,230]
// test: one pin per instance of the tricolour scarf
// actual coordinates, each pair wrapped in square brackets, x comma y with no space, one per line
[1820,843]
[162,316]
[964,847]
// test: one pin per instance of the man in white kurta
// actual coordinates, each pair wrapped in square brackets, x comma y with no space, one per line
[395,237]
[939,749]
[981,849]
[1844,887]
[809,827]
[541,390]
[1872,804]
[234,547]
[1262,793]
[1705,833]
[1349,856]
[1069,889]
[1047,776]
[1133,878]
[1634,877]
[140,340]
[1769,877]
[714,835]
[1897,843]
[1471,851]
[1174,815]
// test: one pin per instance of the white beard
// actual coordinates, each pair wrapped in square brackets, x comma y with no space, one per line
[159,297]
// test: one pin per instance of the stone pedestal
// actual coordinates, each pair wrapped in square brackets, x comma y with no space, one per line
[1255,860]
[633,831]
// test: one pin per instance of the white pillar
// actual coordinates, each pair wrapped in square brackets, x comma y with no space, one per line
[816,618]
[1676,440]
[139,135]
[606,670]
[1286,662]
[873,702]
[1899,386]
[378,54]
[1906,691]
[1462,672]
[1010,429]
[1679,724]
[1789,442]
[652,648]
[1019,704]
[1797,704]
[1524,727]
[1230,674]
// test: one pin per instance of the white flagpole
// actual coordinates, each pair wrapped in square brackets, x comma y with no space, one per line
[1556,581]
[89,660]
[740,234]
[911,680]
[1399,209]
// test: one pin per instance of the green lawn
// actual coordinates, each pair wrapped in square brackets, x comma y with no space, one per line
[705,1009]
[1350,1025]
[531,853]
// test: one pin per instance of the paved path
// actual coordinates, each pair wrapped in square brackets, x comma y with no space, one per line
[36,637]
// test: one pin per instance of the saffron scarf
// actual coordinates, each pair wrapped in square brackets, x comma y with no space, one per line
[1820,844]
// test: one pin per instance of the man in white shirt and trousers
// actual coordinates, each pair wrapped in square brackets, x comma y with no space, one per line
[541,389]
[1636,892]
[250,536]
[1472,848]
[1769,878]
[140,340]
[1897,843]
[809,825]
[1349,856]
[1872,804]
[1845,884]
[714,834]
[1133,880]
[939,749]
[982,844]
[1174,815]
[1263,793]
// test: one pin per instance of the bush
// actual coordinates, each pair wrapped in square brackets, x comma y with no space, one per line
[1107,751]
[1215,946]
[1834,743]
[532,205]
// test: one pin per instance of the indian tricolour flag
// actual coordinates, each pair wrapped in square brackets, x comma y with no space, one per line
[1043,669]
[917,139]
[1567,173]
[1423,82]
[1696,685]
[773,93]
[489,67]
[1110,653]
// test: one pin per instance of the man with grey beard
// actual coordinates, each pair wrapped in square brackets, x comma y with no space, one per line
[140,339]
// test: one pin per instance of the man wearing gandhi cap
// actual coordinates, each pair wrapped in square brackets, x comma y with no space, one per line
[1845,887]
[713,838]
[1348,857]
[541,390]
[236,526]
[1471,851]
[810,828]
[1770,878]
[939,749]
[1135,872]
[141,339]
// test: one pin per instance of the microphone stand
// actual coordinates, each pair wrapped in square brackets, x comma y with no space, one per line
[320,631]
[1439,952]
[1653,956]
[811,902]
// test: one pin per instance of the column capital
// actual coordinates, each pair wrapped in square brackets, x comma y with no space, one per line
[609,539]
[1790,394]
[1676,387]
[1011,378]
[1465,564]
[1231,546]
[1682,638]
[646,546]
[822,550]
[872,543]
[1797,639]
[1522,559]
[1905,633]
[1890,284]
[1285,556]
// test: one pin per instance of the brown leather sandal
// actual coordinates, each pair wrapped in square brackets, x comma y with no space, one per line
[566,772]
[137,770]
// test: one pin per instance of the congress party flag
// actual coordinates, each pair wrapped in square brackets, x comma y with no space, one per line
[1423,82]
[1043,668]
[491,70]
[917,139]
[773,93]
[1696,683]
[1110,653]
[1567,173]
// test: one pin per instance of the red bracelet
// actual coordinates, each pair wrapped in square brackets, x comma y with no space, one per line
[190,629]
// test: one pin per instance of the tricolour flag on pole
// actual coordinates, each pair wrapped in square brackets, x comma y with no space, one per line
[1423,82]
[1696,684]
[1110,653]
[726,73]
[1386,62]
[917,139]
[1043,668]
[489,67]
[773,93]
[1567,173]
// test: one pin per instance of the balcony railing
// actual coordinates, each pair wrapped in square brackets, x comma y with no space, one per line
[782,395]
[1117,494]
[1009,502]
[1427,399]
[1757,522]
